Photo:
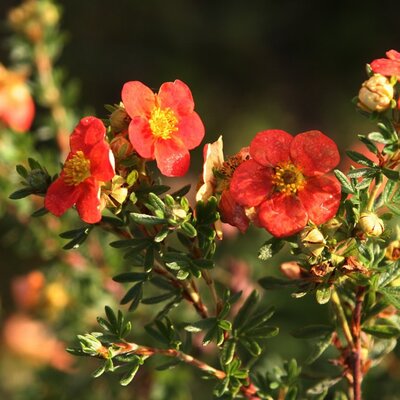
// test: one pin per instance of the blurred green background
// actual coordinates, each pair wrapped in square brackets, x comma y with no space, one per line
[251,65]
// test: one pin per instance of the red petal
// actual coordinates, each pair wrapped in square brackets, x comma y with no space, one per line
[88,203]
[233,213]
[386,67]
[138,99]
[190,130]
[393,55]
[141,137]
[271,147]
[102,162]
[88,132]
[172,157]
[282,215]
[314,153]
[177,96]
[251,183]
[321,198]
[60,197]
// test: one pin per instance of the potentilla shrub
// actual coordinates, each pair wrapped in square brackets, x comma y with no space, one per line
[336,225]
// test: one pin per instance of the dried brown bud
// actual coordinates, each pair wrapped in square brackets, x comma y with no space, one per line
[322,269]
[376,94]
[353,265]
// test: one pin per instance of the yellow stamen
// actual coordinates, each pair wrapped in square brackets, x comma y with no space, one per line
[163,122]
[76,169]
[288,178]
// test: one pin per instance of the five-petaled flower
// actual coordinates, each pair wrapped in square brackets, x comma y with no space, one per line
[16,105]
[89,164]
[287,182]
[164,126]
[389,66]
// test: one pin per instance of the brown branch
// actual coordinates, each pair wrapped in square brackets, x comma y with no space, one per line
[249,391]
[356,360]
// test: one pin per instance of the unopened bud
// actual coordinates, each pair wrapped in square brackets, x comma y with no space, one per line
[313,240]
[291,269]
[119,120]
[38,180]
[370,224]
[375,94]
[393,251]
[121,147]
[331,226]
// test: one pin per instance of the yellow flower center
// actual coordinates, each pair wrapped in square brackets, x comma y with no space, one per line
[163,122]
[76,169]
[288,179]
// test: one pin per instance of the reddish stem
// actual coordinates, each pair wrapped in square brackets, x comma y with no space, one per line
[356,351]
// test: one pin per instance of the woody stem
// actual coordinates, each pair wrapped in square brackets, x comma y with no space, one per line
[249,391]
[356,351]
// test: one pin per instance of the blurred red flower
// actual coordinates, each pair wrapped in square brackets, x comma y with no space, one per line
[16,105]
[89,164]
[389,66]
[164,126]
[286,180]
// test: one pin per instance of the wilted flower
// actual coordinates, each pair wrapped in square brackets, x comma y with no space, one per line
[287,182]
[217,174]
[89,164]
[164,126]
[16,104]
[376,94]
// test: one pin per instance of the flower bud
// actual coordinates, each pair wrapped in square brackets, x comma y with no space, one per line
[38,180]
[121,147]
[370,224]
[375,94]
[313,240]
[119,120]
[393,251]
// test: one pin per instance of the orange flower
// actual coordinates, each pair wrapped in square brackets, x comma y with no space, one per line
[16,105]
[164,126]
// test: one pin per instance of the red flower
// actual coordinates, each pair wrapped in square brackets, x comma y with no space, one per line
[389,66]
[286,180]
[16,105]
[164,126]
[89,163]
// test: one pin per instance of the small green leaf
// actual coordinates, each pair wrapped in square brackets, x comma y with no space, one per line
[319,347]
[188,229]
[245,310]
[127,378]
[144,219]
[391,174]
[40,212]
[271,283]
[131,277]
[383,331]
[99,371]
[323,294]
[312,331]
[360,158]
[21,193]
[344,181]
